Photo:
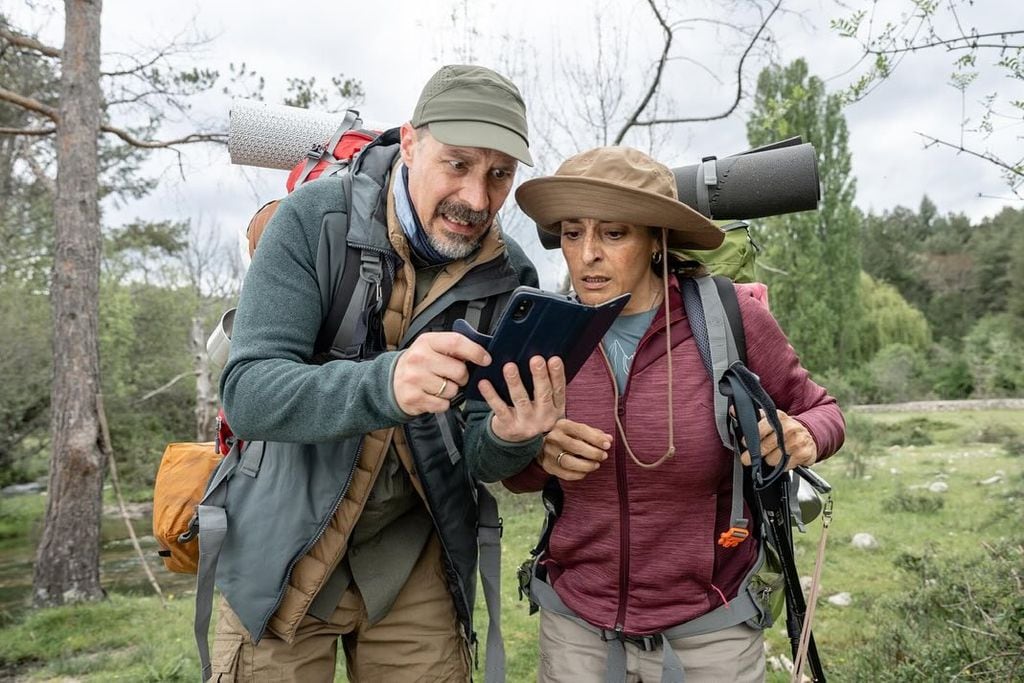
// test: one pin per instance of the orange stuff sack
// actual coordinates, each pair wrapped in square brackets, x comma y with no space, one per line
[185,469]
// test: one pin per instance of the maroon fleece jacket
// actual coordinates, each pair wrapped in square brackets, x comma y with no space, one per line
[635,548]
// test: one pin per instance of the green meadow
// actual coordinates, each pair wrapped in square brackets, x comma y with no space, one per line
[939,598]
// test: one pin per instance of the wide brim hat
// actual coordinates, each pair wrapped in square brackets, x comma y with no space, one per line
[618,184]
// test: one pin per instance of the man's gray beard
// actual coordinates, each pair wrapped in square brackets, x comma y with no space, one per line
[453,245]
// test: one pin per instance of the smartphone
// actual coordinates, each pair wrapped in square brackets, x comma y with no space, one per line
[539,323]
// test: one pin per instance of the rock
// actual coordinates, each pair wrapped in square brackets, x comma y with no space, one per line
[21,489]
[991,480]
[864,541]
[843,599]
[780,663]
[938,487]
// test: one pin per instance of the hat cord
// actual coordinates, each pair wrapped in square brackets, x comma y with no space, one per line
[668,352]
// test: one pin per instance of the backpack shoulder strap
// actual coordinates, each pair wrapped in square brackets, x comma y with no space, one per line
[710,302]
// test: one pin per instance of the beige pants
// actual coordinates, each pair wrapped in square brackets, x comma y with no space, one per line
[418,640]
[570,652]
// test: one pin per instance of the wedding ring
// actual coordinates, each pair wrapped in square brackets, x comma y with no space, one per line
[558,460]
[444,385]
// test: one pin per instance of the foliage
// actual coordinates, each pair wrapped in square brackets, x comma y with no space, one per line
[889,33]
[898,373]
[919,502]
[962,618]
[995,356]
[888,319]
[814,257]
[954,272]
[914,431]
[914,579]
[25,367]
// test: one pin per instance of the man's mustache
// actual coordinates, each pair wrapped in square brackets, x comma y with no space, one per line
[462,212]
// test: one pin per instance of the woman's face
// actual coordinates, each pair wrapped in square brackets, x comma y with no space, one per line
[608,259]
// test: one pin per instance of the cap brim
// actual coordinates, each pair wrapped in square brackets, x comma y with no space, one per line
[481,134]
[553,199]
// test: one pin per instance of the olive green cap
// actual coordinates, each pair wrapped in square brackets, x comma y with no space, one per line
[472,106]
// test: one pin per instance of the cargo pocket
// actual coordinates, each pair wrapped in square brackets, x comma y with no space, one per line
[226,658]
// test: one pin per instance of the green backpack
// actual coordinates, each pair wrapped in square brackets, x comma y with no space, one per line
[734,259]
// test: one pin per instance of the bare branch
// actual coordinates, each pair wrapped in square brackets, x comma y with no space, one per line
[739,82]
[39,132]
[165,387]
[969,42]
[220,138]
[51,113]
[40,173]
[28,103]
[20,40]
[1011,169]
[655,81]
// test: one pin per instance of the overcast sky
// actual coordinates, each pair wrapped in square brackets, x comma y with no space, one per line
[393,46]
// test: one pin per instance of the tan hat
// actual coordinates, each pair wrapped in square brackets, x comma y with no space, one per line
[619,184]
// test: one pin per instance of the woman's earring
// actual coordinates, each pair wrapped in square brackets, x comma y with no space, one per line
[656,257]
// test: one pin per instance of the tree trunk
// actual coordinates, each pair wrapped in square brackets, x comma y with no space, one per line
[206,392]
[67,564]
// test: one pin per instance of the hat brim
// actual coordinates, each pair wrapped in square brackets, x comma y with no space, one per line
[553,199]
[482,134]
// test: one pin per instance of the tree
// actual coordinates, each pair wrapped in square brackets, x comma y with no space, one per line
[617,76]
[904,30]
[815,257]
[140,89]
[67,561]
[888,319]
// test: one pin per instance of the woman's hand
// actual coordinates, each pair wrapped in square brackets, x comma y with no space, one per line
[799,443]
[526,418]
[572,450]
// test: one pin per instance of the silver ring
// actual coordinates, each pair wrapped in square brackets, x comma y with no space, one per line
[444,385]
[558,460]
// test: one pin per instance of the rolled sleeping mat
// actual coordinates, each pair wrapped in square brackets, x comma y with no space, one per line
[279,136]
[763,182]
[772,180]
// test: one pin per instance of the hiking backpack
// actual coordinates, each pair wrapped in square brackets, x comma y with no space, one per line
[771,493]
[186,468]
[194,526]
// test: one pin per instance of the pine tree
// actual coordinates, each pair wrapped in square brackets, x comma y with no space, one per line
[814,256]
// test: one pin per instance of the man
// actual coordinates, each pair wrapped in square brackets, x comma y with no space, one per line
[356,518]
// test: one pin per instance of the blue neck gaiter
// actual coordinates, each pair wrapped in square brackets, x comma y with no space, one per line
[414,232]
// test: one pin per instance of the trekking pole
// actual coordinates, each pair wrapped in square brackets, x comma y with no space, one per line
[812,597]
[108,450]
[775,503]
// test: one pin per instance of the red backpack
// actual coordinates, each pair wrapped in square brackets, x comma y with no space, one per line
[186,468]
[321,160]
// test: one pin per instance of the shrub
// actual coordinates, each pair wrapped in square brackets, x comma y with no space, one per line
[995,355]
[963,620]
[899,373]
[920,502]
[914,431]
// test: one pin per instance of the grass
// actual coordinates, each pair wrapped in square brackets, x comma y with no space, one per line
[131,638]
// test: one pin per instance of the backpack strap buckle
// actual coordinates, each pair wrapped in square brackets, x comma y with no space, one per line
[647,643]
[735,535]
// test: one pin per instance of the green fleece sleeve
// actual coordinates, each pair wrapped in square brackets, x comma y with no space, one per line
[269,390]
[489,457]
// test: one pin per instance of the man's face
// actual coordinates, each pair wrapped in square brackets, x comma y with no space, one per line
[456,191]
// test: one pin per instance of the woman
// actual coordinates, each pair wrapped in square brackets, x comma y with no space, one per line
[647,483]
